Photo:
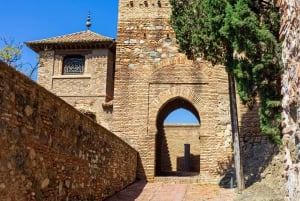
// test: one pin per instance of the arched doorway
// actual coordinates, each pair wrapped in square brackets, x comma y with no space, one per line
[177,145]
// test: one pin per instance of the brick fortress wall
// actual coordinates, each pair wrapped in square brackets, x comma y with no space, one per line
[151,75]
[50,151]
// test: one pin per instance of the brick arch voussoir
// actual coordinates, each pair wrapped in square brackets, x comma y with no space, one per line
[177,91]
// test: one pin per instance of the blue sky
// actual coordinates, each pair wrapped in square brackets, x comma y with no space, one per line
[27,20]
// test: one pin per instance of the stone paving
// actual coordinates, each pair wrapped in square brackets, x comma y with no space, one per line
[158,191]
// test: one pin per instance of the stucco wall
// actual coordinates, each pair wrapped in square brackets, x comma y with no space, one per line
[50,151]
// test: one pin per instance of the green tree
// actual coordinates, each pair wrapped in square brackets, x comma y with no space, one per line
[242,35]
[11,53]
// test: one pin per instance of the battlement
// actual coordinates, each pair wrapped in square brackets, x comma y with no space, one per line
[132,9]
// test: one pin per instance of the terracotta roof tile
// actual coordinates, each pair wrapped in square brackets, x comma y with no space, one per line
[83,39]
[83,36]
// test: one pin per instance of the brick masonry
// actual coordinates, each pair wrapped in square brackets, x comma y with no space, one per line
[202,148]
[50,151]
[152,79]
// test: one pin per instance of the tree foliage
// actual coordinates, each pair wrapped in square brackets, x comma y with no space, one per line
[242,35]
[11,53]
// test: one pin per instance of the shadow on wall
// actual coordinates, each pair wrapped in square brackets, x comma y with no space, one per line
[168,148]
[163,161]
[257,151]
[227,170]
[140,174]
[193,165]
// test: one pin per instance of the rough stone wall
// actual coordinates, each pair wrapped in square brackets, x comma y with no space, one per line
[50,151]
[87,92]
[46,60]
[289,33]
[257,151]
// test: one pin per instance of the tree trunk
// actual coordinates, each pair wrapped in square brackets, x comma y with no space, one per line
[235,132]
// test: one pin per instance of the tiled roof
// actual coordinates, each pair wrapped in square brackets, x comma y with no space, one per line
[82,38]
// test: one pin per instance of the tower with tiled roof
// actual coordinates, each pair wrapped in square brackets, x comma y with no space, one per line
[79,68]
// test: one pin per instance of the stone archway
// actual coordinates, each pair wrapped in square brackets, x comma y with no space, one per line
[163,102]
[202,87]
[205,101]
[177,146]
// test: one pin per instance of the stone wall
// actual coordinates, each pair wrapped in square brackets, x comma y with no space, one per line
[50,151]
[86,92]
[289,33]
[257,151]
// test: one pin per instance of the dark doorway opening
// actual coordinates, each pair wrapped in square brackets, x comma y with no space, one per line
[171,138]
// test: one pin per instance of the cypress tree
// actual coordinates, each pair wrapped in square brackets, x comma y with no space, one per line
[242,35]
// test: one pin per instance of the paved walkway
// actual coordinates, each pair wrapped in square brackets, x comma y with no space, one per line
[158,191]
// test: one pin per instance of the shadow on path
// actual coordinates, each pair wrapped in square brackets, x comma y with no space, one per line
[132,192]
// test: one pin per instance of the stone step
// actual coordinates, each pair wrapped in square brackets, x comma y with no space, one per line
[178,180]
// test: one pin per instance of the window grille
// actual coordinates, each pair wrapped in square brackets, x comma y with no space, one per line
[73,65]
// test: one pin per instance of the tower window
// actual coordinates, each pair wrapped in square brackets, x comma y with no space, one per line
[131,3]
[73,65]
[146,3]
[159,4]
